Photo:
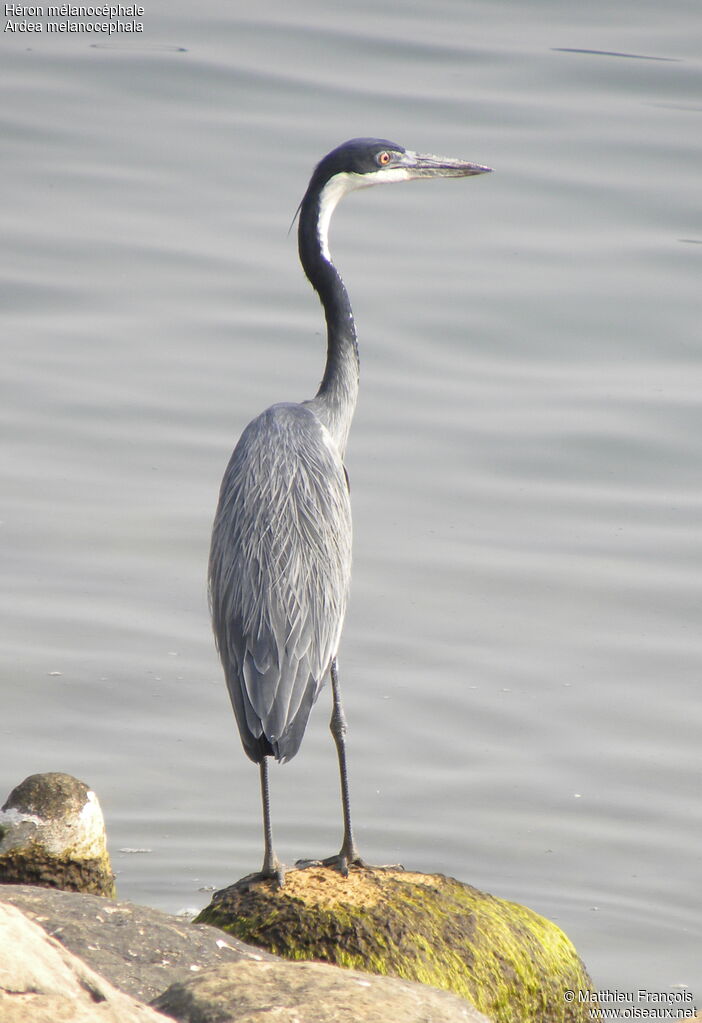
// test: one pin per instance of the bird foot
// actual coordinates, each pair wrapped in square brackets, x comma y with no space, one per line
[342,861]
[338,862]
[276,872]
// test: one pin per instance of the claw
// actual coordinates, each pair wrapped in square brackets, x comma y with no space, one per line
[342,862]
[305,864]
[274,872]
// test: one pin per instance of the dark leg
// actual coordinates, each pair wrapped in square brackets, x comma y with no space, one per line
[272,867]
[348,853]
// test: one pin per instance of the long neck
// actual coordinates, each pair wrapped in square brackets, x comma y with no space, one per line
[335,400]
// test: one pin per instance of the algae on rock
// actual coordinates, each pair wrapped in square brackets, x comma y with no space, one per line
[52,835]
[510,963]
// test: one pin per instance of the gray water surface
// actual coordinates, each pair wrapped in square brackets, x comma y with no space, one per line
[521,658]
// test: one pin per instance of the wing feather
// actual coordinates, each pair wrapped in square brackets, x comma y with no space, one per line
[280,567]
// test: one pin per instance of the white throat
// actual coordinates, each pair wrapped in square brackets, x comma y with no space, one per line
[339,186]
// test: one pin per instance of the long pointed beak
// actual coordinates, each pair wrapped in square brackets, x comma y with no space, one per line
[424,165]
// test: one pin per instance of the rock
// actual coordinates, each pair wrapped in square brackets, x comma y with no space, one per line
[308,993]
[41,982]
[142,951]
[508,961]
[52,834]
[139,950]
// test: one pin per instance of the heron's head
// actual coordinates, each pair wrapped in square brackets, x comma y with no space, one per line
[359,163]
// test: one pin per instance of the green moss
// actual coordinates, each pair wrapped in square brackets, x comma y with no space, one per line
[30,864]
[505,959]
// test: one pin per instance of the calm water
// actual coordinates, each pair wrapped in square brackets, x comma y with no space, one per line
[522,653]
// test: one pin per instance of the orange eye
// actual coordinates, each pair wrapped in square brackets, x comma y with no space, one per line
[383,158]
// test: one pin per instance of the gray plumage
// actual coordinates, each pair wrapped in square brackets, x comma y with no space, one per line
[280,559]
[279,574]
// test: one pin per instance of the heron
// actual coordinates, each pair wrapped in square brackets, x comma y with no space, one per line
[280,557]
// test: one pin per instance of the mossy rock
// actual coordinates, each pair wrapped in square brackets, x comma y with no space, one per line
[509,962]
[31,866]
[52,835]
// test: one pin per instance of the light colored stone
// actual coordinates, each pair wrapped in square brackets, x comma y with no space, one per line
[308,993]
[139,950]
[70,816]
[41,982]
